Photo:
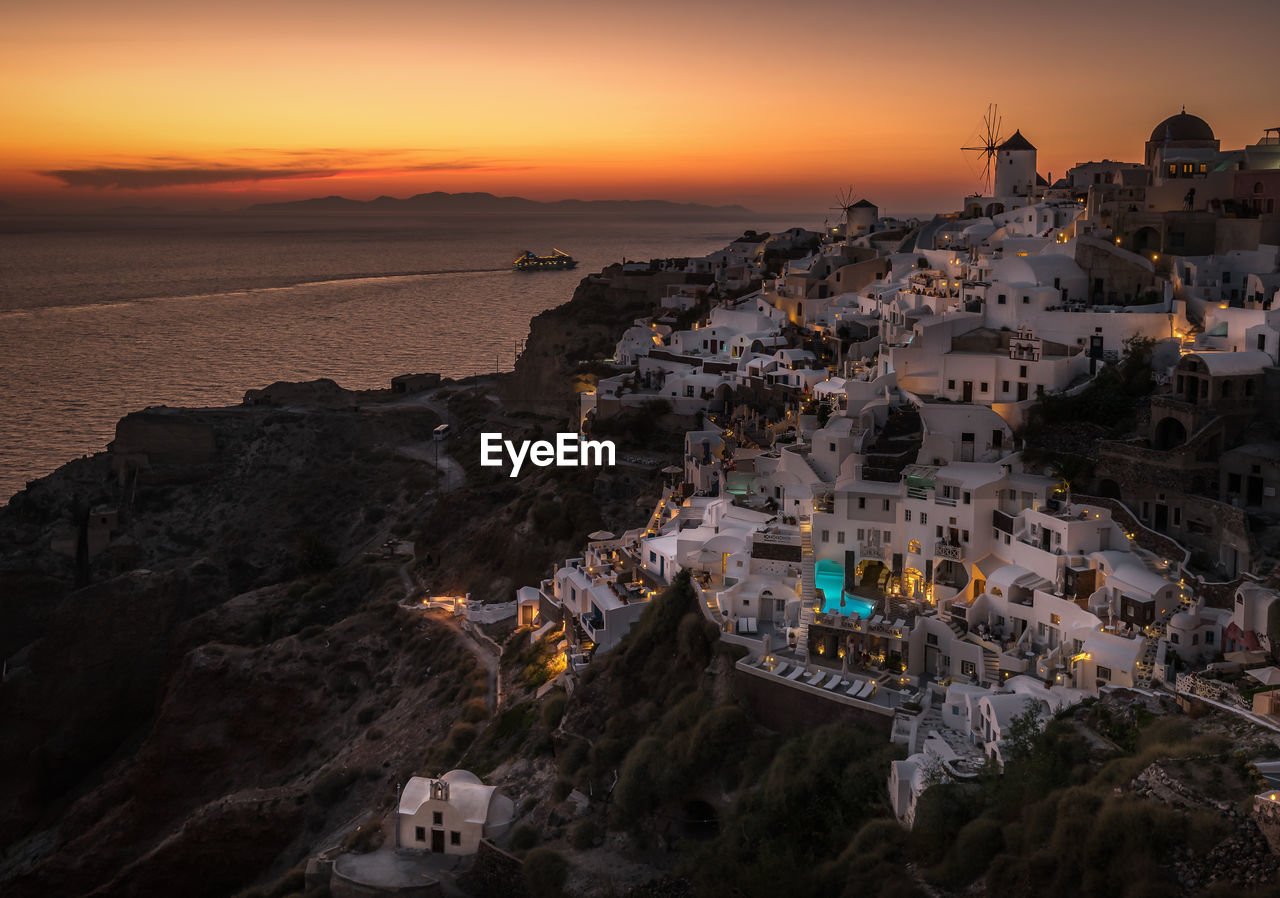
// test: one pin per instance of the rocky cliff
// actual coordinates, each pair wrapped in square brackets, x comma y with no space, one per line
[228,686]
[583,330]
[238,683]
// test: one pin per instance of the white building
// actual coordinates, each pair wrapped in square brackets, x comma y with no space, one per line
[450,815]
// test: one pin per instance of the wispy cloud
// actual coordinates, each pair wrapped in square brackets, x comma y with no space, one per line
[171,171]
[148,178]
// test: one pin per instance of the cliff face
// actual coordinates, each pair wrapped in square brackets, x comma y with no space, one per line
[585,328]
[226,685]
[233,693]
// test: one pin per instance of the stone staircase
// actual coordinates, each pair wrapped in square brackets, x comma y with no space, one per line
[807,593]
[990,666]
[802,634]
[1145,669]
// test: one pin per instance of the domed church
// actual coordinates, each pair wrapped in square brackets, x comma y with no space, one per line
[1178,133]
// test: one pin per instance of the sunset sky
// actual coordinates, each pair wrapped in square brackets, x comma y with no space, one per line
[772,105]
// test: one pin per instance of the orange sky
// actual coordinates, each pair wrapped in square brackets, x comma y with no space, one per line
[774,106]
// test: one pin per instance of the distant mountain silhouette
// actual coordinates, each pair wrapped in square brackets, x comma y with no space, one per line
[439,201]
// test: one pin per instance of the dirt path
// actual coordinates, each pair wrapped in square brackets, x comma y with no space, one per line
[452,475]
[482,653]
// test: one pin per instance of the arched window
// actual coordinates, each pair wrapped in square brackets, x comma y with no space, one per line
[914,547]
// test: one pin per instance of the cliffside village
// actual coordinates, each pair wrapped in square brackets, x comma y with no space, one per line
[855,507]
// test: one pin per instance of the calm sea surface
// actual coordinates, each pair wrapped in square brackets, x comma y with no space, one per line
[100,316]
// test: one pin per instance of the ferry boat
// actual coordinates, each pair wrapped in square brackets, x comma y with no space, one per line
[527,261]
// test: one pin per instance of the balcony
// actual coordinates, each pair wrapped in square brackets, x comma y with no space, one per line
[946,550]
[871,552]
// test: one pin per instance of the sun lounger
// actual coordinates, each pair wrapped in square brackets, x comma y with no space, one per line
[859,689]
[795,674]
[781,668]
[817,681]
[835,681]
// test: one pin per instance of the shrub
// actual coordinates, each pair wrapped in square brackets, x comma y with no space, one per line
[332,787]
[553,709]
[475,710]
[696,636]
[975,846]
[523,837]
[366,837]
[572,756]
[545,872]
[462,735]
[584,835]
[314,555]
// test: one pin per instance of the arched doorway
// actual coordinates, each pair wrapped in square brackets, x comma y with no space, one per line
[913,583]
[1146,240]
[1109,489]
[951,573]
[1170,433]
[721,399]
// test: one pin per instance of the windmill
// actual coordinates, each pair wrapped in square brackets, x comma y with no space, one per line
[844,202]
[988,142]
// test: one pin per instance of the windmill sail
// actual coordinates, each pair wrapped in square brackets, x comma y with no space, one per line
[988,141]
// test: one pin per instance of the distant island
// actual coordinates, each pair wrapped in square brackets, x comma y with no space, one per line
[438,201]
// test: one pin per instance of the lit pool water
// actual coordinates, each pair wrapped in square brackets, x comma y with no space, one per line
[829,577]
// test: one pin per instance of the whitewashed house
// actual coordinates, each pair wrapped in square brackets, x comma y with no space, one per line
[450,815]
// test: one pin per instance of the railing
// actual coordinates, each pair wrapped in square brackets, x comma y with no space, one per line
[946,550]
[872,552]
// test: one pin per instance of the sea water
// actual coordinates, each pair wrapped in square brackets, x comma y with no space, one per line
[103,315]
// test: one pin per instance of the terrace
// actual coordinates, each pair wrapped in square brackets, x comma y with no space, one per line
[883,693]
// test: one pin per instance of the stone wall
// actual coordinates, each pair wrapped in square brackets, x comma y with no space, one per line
[1164,546]
[782,706]
[1244,859]
[1204,525]
[1216,594]
[1266,814]
[495,874]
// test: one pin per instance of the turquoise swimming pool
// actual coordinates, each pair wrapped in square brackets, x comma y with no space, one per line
[829,577]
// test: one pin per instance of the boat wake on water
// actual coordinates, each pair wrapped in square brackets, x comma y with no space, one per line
[246,291]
